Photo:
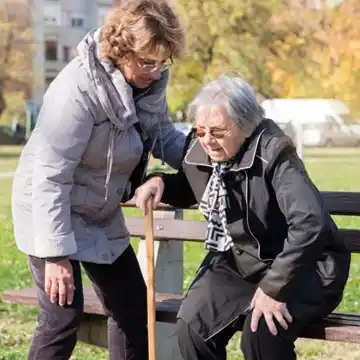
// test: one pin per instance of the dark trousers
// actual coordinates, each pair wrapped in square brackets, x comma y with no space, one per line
[261,345]
[122,292]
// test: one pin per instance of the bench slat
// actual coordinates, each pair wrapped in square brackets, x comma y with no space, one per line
[336,327]
[165,303]
[190,230]
[349,334]
[342,202]
[351,239]
[337,203]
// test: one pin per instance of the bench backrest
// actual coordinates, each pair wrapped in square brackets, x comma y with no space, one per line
[337,203]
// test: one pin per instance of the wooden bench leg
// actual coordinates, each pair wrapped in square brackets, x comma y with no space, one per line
[168,279]
[93,330]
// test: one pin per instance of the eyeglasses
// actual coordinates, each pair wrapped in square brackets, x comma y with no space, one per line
[149,66]
[214,133]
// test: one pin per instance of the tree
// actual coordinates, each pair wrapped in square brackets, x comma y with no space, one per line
[340,32]
[222,36]
[251,37]
[15,48]
[281,47]
[330,62]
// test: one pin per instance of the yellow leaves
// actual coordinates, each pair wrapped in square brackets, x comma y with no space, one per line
[354,45]
[236,16]
[14,101]
[285,47]
[342,76]
[300,41]
[278,75]
[270,64]
[331,57]
[283,51]
[290,85]
[325,66]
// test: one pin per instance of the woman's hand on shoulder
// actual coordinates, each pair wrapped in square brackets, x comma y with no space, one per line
[264,305]
[154,188]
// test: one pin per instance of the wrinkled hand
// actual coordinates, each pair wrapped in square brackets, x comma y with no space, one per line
[154,187]
[59,281]
[264,305]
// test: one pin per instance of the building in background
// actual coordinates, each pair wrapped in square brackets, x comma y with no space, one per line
[58,26]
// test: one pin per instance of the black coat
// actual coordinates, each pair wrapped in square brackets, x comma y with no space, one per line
[285,240]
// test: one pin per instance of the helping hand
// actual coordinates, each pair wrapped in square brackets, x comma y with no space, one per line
[154,187]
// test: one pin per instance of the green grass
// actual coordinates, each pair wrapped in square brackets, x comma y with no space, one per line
[9,157]
[330,170]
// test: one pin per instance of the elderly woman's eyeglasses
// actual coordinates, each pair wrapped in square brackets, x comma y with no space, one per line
[214,132]
[149,65]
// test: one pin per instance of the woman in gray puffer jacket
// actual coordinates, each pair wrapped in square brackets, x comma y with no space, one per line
[98,118]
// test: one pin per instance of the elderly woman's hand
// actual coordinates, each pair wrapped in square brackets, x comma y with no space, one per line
[264,305]
[151,188]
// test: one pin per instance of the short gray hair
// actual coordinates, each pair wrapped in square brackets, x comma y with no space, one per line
[235,95]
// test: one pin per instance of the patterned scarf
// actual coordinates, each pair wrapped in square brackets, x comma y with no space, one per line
[213,206]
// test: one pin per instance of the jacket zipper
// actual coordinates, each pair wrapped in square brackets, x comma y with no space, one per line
[247,216]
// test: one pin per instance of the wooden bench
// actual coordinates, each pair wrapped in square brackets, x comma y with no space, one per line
[171,230]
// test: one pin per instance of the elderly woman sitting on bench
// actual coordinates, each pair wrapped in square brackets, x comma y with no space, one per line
[275,260]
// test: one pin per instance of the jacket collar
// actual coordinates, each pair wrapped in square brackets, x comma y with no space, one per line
[245,158]
[115,95]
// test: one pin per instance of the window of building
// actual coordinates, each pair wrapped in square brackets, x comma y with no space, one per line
[77,22]
[51,50]
[66,53]
[52,13]
[50,20]
[49,80]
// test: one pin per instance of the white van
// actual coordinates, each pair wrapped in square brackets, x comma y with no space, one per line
[322,121]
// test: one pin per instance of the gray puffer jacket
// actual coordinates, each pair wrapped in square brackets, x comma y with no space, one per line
[75,168]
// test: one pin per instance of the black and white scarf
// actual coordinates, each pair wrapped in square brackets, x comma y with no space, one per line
[213,206]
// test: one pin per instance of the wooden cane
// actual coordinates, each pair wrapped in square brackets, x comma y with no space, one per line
[151,307]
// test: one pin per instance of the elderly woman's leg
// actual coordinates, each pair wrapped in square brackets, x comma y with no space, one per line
[262,345]
[55,334]
[122,291]
[193,347]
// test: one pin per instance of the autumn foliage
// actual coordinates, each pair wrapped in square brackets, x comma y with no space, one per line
[282,48]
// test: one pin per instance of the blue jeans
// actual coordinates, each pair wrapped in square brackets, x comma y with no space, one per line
[122,292]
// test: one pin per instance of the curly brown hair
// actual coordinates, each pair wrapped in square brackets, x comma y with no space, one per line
[142,26]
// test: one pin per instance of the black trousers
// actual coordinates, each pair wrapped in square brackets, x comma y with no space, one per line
[122,292]
[261,345]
